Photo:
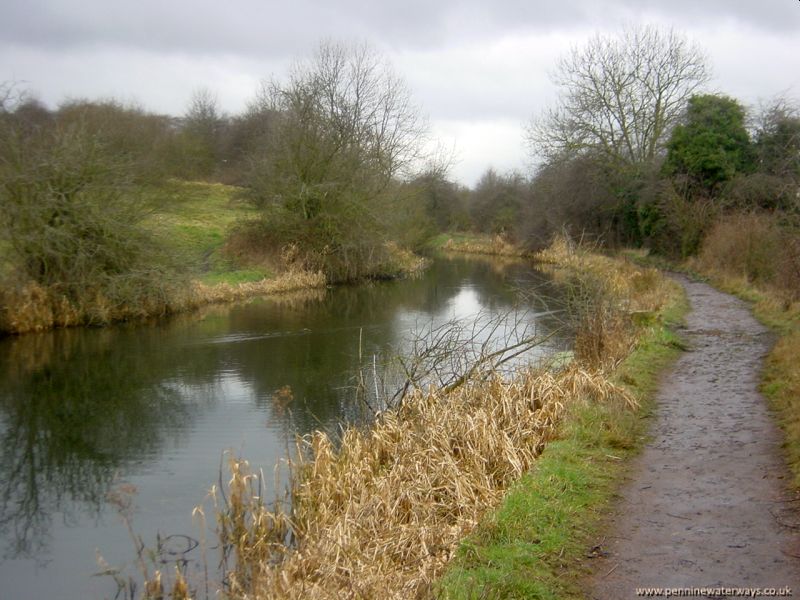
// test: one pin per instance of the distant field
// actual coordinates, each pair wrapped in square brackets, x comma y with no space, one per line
[438,242]
[5,263]
[194,218]
[475,243]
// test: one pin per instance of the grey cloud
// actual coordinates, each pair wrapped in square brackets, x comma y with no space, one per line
[478,68]
[246,27]
[779,16]
[254,28]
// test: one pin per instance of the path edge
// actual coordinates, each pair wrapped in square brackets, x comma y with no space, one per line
[554,515]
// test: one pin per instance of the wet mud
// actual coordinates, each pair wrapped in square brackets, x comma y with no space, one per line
[707,504]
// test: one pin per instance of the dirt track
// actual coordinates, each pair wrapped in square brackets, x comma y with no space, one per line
[707,503]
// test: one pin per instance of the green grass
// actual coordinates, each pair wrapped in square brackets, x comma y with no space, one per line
[780,378]
[438,241]
[643,257]
[193,218]
[236,276]
[474,243]
[535,544]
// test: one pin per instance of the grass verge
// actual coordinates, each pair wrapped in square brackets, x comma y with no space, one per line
[780,379]
[536,543]
[384,512]
[194,219]
[473,243]
[777,309]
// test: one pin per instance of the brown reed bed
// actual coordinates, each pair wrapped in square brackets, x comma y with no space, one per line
[496,245]
[32,307]
[608,299]
[290,281]
[634,288]
[380,511]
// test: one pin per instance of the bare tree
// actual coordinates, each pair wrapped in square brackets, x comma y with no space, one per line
[774,129]
[346,133]
[364,103]
[11,96]
[346,112]
[498,200]
[620,96]
[777,137]
[202,126]
[203,111]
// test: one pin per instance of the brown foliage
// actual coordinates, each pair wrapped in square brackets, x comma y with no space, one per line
[380,514]
[756,246]
[33,307]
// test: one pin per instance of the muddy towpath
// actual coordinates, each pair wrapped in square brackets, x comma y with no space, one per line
[707,503]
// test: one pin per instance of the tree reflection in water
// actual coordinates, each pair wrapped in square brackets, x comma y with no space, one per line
[78,407]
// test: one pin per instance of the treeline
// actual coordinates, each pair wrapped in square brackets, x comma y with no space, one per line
[637,153]
[335,157]
[719,159]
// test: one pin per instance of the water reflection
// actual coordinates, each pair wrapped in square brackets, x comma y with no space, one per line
[76,409]
[154,404]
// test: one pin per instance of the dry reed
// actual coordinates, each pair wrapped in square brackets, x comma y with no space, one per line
[404,262]
[32,307]
[607,299]
[757,247]
[635,289]
[496,246]
[201,294]
[380,514]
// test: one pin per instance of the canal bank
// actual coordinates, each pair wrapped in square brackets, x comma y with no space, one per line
[153,406]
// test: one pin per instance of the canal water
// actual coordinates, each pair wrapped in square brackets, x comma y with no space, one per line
[151,408]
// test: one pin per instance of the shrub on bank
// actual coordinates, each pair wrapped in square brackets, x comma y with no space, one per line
[33,307]
[381,513]
[759,247]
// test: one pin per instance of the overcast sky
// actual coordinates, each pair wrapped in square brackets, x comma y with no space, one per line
[479,70]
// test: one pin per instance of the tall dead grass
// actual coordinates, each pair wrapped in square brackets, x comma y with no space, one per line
[32,307]
[380,513]
[757,247]
[634,288]
[290,281]
[495,246]
[607,298]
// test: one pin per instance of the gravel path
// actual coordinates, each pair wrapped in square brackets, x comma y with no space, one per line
[707,503]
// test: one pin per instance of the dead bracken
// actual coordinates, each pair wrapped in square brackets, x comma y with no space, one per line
[380,512]
[37,308]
